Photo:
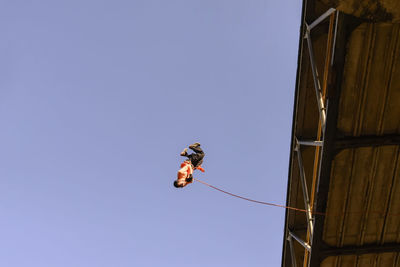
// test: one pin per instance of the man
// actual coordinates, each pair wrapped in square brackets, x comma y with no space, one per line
[194,161]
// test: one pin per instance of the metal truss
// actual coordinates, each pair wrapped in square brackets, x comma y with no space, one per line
[320,91]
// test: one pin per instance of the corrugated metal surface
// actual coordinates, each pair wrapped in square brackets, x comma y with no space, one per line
[364,197]
[364,193]
[369,104]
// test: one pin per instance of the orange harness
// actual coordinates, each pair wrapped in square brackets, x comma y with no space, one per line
[190,170]
[200,168]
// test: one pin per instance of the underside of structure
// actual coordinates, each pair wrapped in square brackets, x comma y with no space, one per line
[344,162]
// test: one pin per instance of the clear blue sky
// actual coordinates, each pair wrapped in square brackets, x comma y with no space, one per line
[97,99]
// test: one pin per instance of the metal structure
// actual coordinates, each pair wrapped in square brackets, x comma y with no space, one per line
[345,155]
[320,92]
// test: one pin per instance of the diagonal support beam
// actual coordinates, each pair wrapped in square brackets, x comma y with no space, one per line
[305,189]
[300,241]
[321,18]
[317,84]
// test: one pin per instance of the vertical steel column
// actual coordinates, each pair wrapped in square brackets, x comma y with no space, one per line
[293,256]
[305,190]
[317,84]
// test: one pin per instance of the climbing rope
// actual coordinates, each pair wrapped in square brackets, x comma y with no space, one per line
[256,201]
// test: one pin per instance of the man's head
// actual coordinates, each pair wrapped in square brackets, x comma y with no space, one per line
[177,185]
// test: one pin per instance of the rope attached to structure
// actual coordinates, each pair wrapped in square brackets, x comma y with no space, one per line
[256,201]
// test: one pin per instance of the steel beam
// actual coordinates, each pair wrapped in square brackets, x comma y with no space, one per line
[305,189]
[334,37]
[321,18]
[310,143]
[300,241]
[317,84]
[367,141]
[359,250]
[292,255]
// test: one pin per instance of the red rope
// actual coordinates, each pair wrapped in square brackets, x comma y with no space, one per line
[256,201]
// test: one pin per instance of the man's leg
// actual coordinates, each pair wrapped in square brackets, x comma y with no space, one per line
[184,153]
[197,157]
[196,148]
[194,145]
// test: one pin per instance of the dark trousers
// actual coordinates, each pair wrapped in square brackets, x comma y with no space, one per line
[196,158]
